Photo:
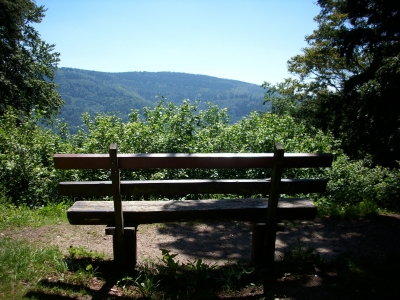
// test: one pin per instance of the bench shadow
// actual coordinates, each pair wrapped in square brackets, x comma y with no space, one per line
[224,241]
[213,241]
[329,238]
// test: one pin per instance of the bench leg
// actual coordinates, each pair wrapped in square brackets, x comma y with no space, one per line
[130,243]
[131,246]
[258,247]
[258,243]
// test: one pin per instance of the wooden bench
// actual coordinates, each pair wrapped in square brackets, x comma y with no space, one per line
[123,217]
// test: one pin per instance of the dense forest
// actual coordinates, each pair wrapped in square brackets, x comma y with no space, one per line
[95,92]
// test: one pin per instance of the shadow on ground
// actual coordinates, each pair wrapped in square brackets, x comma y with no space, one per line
[220,242]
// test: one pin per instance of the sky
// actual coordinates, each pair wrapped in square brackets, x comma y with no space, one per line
[246,40]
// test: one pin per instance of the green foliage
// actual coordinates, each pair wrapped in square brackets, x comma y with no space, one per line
[81,262]
[347,78]
[81,252]
[20,262]
[27,63]
[169,260]
[234,276]
[18,216]
[299,254]
[27,174]
[188,279]
[355,189]
[146,284]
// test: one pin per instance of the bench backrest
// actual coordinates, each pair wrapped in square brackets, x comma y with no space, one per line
[191,161]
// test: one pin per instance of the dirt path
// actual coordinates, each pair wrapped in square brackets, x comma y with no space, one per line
[220,242]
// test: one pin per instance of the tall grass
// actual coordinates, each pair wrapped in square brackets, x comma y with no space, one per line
[12,216]
[22,266]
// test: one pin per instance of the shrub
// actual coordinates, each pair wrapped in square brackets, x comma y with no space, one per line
[27,174]
[354,186]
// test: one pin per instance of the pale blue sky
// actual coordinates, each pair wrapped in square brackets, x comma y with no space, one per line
[247,40]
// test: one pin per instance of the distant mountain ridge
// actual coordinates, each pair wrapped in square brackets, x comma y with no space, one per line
[101,92]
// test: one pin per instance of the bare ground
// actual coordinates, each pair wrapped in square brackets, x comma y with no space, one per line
[221,242]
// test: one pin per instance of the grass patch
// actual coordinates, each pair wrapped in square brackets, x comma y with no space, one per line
[13,216]
[347,211]
[22,267]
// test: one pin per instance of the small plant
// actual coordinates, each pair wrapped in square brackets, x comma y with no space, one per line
[171,265]
[125,282]
[91,271]
[300,254]
[199,274]
[199,266]
[233,277]
[81,252]
[80,262]
[146,284]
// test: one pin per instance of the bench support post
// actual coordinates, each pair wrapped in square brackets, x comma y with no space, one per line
[258,243]
[130,243]
[273,204]
[118,237]
[130,246]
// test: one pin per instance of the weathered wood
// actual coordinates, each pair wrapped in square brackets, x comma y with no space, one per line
[81,161]
[130,242]
[258,243]
[118,243]
[110,229]
[197,186]
[148,212]
[182,160]
[273,203]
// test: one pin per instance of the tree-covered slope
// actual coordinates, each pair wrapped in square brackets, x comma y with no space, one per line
[91,91]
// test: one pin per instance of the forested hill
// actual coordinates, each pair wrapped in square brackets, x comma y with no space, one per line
[91,91]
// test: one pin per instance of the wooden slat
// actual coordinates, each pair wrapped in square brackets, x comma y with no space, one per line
[184,187]
[81,161]
[204,161]
[307,160]
[147,212]
[181,160]
[221,160]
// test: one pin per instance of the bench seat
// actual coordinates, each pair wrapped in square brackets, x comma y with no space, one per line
[148,212]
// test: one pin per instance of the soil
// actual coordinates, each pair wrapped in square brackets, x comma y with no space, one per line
[218,243]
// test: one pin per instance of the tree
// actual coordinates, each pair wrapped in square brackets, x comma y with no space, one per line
[348,78]
[27,64]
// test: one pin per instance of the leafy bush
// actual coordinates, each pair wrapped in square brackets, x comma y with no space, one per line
[27,173]
[354,188]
